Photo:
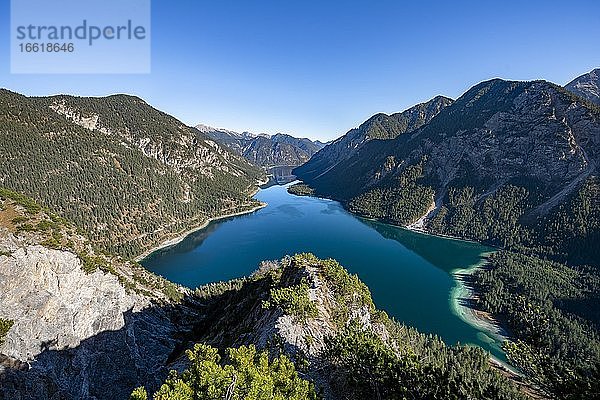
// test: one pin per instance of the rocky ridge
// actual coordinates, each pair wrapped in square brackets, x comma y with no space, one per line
[586,86]
[378,127]
[324,319]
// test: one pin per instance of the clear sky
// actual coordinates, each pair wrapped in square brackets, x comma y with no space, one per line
[318,68]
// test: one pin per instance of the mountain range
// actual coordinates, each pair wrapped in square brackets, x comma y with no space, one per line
[267,151]
[89,184]
[500,134]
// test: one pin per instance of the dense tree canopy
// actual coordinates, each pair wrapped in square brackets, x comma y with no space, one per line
[244,374]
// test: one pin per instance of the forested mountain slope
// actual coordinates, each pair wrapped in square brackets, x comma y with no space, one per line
[125,173]
[534,135]
[380,126]
[512,164]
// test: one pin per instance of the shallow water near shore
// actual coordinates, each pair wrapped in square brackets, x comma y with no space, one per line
[409,273]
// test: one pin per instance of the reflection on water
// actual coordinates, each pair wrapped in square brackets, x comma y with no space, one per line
[290,210]
[450,254]
[188,244]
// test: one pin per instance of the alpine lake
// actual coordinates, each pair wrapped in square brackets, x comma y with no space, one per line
[412,276]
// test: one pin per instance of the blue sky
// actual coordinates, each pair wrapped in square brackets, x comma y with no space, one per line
[318,68]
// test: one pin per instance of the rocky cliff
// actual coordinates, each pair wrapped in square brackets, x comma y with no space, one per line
[82,322]
[75,334]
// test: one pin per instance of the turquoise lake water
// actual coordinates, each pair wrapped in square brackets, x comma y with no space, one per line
[408,273]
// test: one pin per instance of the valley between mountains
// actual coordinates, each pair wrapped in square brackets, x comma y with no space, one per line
[88,185]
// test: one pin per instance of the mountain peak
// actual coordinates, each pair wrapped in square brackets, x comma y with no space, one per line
[440,98]
[380,126]
[209,130]
[586,86]
[383,126]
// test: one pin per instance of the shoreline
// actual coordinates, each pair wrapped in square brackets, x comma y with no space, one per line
[462,297]
[410,227]
[414,229]
[180,237]
[423,231]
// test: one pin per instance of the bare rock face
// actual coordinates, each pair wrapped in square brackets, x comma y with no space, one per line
[75,335]
[586,86]
[540,135]
[307,336]
[54,304]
